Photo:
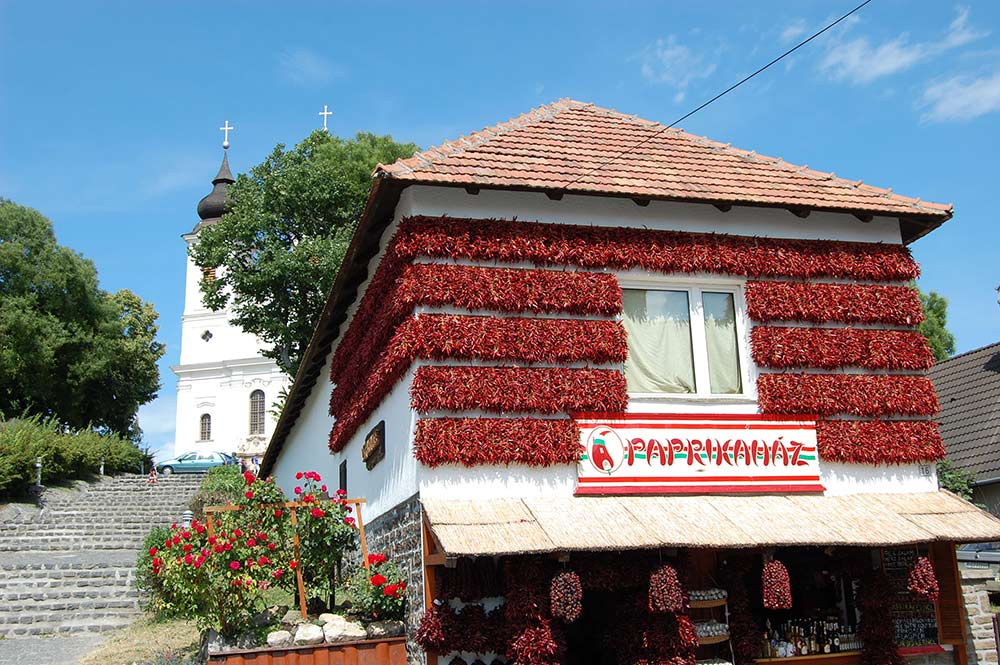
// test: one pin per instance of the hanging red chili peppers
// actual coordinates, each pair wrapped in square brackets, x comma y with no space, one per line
[922,581]
[566,596]
[776,586]
[665,592]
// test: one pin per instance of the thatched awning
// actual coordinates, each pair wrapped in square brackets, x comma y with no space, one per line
[566,524]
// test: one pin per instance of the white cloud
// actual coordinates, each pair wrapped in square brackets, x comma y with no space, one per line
[860,61]
[304,67]
[961,98]
[793,30]
[674,64]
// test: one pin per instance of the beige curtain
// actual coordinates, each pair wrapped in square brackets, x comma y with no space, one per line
[721,342]
[658,324]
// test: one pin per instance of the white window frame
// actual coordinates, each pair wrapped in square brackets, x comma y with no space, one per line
[694,287]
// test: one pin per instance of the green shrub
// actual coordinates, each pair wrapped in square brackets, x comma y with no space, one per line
[146,580]
[222,485]
[66,454]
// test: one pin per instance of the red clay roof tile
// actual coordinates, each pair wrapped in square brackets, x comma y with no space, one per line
[579,147]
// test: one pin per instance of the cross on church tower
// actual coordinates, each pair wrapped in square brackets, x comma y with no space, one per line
[325,113]
[226,128]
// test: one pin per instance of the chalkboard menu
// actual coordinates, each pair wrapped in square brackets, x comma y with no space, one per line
[915,618]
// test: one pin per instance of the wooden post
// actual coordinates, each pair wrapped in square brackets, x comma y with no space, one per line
[430,578]
[210,517]
[298,568]
[361,535]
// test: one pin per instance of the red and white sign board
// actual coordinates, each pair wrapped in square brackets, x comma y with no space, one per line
[637,453]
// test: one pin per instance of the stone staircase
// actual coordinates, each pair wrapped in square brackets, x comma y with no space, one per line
[71,567]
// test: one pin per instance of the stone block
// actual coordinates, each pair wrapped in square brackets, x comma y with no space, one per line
[342,630]
[986,643]
[326,618]
[982,619]
[279,638]
[308,633]
[381,629]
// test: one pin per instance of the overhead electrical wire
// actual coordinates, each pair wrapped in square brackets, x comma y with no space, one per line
[687,115]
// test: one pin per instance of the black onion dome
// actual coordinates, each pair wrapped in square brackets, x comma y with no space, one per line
[213,206]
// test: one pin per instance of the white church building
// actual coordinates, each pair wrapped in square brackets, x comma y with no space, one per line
[225,387]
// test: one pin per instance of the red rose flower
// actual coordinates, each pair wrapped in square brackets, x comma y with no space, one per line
[152,551]
[308,498]
[341,492]
[218,549]
[188,558]
[211,540]
[377,579]
[263,561]
[177,540]
[390,590]
[298,490]
[402,586]
[249,495]
[316,477]
[277,513]
[293,564]
[228,546]
[317,512]
[251,542]
[249,477]
[278,572]
[298,476]
[187,547]
[235,565]
[237,533]
[271,546]
[186,535]
[349,521]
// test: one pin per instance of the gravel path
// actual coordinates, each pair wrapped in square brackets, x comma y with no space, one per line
[47,650]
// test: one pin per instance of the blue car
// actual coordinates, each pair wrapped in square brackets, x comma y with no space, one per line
[193,463]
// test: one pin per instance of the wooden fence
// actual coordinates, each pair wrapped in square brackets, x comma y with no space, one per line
[388,651]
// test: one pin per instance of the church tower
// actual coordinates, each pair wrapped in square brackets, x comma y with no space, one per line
[225,388]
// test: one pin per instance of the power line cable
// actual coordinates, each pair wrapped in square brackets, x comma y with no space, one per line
[721,94]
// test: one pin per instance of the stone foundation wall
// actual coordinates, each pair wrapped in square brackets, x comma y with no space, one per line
[397,534]
[939,658]
[979,638]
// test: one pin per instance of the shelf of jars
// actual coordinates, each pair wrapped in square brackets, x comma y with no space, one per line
[708,628]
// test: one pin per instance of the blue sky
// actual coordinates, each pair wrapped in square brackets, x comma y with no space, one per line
[108,111]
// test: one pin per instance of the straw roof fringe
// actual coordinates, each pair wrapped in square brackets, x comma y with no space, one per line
[565,524]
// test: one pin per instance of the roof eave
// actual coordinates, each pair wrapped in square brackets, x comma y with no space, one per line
[377,215]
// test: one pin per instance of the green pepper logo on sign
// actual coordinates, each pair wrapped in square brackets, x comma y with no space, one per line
[605,450]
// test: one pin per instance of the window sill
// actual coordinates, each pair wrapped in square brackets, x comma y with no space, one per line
[692,399]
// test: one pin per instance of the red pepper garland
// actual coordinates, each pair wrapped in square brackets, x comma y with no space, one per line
[566,596]
[518,389]
[468,337]
[922,581]
[826,303]
[854,394]
[833,348]
[658,251]
[879,441]
[665,593]
[432,631]
[475,441]
[776,587]
[877,630]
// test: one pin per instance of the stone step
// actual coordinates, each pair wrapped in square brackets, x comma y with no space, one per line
[116,592]
[43,624]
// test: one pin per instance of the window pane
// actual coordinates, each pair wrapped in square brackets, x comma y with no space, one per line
[722,344]
[658,324]
[257,412]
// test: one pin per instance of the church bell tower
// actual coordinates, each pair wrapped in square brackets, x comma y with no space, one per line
[225,387]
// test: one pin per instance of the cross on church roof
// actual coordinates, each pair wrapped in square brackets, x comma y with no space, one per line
[226,128]
[325,113]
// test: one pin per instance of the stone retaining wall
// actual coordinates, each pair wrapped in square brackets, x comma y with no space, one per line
[397,534]
[979,638]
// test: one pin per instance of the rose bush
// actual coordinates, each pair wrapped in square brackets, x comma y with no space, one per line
[219,580]
[378,593]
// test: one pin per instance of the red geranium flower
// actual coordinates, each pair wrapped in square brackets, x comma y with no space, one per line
[377,579]
[235,565]
[317,512]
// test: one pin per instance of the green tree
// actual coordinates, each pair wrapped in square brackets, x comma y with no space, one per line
[934,326]
[287,229]
[69,350]
[955,479]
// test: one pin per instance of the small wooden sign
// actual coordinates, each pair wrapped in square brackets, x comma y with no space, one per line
[373,450]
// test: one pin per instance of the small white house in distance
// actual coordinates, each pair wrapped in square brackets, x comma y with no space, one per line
[225,387]
[580,332]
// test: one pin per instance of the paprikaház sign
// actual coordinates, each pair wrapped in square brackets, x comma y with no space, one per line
[669,453]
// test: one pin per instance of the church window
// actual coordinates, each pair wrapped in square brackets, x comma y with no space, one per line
[257,412]
[205,432]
